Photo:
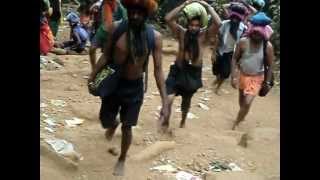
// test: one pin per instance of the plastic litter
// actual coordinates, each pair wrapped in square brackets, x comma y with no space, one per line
[63,147]
[43,105]
[59,103]
[74,122]
[51,122]
[203,106]
[192,116]
[181,175]
[234,167]
[164,168]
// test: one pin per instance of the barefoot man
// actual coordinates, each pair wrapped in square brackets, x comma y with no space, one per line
[185,75]
[229,33]
[253,53]
[130,49]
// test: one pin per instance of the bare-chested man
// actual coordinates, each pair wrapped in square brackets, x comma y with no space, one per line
[130,52]
[185,75]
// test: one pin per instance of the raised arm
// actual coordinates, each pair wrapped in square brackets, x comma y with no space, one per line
[172,16]
[214,27]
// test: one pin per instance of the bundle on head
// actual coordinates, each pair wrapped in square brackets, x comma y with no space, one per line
[260,23]
[238,10]
[149,5]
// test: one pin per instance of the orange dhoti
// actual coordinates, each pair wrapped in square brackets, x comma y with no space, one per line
[250,84]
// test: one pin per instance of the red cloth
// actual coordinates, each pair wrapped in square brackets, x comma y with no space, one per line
[46,38]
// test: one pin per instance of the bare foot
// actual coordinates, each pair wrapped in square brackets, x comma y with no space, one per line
[162,125]
[216,91]
[119,168]
[234,126]
[109,133]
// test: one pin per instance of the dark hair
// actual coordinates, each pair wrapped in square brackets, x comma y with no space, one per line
[195,18]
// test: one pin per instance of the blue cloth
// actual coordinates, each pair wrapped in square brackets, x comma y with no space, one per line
[73,18]
[82,33]
[260,19]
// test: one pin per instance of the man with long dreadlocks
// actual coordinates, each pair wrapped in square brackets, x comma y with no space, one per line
[185,74]
[127,52]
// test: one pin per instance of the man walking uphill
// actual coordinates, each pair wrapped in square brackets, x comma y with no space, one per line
[254,58]
[185,75]
[128,52]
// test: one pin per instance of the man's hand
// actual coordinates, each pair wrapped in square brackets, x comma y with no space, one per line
[91,78]
[204,3]
[190,1]
[234,82]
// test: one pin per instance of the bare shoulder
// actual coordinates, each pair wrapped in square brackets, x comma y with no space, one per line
[242,42]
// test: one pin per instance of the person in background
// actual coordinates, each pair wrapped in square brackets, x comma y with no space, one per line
[55,18]
[99,39]
[46,36]
[229,34]
[78,35]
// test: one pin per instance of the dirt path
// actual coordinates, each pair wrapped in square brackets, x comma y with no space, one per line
[203,140]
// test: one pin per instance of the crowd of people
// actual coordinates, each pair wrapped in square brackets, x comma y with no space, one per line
[121,31]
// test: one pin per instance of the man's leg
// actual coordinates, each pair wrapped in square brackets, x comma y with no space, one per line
[108,113]
[164,123]
[245,102]
[125,145]
[219,82]
[185,106]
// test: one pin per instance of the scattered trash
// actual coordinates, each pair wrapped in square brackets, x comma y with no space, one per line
[74,75]
[49,129]
[192,116]
[60,103]
[50,122]
[48,64]
[207,92]
[155,93]
[45,115]
[204,99]
[148,97]
[85,77]
[164,168]
[64,148]
[234,167]
[203,106]
[182,175]
[43,105]
[178,110]
[219,166]
[74,122]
